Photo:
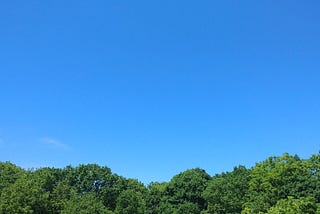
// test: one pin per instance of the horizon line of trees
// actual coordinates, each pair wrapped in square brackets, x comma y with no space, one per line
[283,184]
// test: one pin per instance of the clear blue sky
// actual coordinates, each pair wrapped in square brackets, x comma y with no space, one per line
[152,88]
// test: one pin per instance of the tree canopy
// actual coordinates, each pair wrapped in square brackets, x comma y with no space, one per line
[285,184]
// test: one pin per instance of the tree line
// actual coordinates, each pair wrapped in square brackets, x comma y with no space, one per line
[284,184]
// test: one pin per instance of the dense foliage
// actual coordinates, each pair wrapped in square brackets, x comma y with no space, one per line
[285,184]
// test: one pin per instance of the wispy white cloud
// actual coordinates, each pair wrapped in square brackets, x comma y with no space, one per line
[54,143]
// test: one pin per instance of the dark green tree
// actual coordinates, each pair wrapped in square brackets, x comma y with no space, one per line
[61,194]
[226,192]
[92,178]
[85,204]
[9,173]
[27,195]
[155,196]
[130,202]
[88,178]
[314,179]
[188,186]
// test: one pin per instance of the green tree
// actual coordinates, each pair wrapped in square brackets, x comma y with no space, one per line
[92,178]
[277,178]
[187,208]
[130,202]
[226,192]
[188,186]
[60,195]
[155,197]
[9,173]
[294,206]
[88,178]
[26,195]
[85,204]
[134,184]
[314,171]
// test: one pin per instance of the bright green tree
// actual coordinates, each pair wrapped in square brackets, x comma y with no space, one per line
[294,206]
[277,178]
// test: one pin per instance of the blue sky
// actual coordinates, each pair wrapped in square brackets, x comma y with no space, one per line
[152,88]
